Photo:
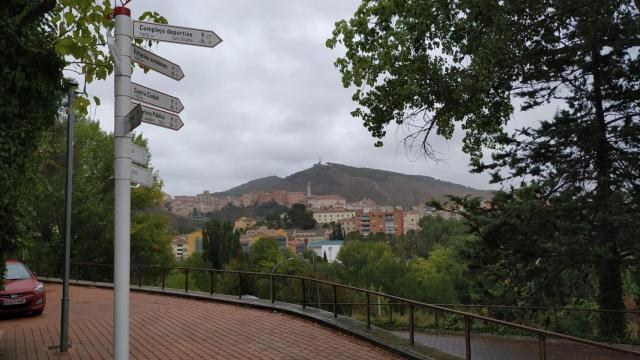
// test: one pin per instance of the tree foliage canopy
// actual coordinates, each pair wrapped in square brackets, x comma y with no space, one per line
[79,29]
[434,64]
[431,64]
[220,243]
[30,93]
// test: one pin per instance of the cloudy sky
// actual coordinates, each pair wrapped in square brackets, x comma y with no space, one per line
[266,101]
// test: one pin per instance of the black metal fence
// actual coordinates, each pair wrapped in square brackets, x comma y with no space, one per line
[334,297]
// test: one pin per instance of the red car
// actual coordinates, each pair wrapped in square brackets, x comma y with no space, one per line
[22,291]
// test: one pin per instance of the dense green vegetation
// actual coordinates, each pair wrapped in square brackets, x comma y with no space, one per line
[39,40]
[92,216]
[571,225]
[30,94]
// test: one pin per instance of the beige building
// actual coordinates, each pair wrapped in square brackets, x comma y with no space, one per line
[332,215]
[184,205]
[304,236]
[180,246]
[411,221]
[348,225]
[186,244]
[244,223]
[325,201]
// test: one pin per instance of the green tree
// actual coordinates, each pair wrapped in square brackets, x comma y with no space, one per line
[336,231]
[30,93]
[354,236]
[433,64]
[92,217]
[434,230]
[78,28]
[371,264]
[264,254]
[300,217]
[220,243]
[440,278]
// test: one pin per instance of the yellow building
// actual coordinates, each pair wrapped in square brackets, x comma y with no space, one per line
[251,236]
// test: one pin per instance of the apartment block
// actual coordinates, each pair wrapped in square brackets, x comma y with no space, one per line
[376,222]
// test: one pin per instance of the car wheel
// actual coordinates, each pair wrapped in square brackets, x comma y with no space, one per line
[37,312]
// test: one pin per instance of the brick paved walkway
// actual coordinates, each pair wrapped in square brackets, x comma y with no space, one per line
[164,327]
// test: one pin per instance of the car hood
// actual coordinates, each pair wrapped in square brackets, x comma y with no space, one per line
[19,286]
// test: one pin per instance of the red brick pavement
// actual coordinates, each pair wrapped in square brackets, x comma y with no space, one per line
[164,327]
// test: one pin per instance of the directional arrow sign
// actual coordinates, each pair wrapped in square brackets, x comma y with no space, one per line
[155,98]
[133,118]
[155,62]
[176,34]
[139,154]
[141,176]
[161,118]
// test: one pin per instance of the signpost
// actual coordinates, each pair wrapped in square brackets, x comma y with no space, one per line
[156,98]
[139,154]
[142,176]
[176,34]
[133,119]
[161,118]
[125,120]
[122,218]
[155,62]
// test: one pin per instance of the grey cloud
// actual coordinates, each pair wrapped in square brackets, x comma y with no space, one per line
[266,101]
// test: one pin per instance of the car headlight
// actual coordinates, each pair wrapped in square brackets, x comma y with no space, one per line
[39,288]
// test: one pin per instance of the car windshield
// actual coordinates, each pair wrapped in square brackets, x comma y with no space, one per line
[17,272]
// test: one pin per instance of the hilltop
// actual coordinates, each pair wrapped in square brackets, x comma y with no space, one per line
[354,183]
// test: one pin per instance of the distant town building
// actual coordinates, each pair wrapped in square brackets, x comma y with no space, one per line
[364,205]
[411,221]
[306,236]
[326,248]
[325,201]
[349,225]
[251,236]
[180,246]
[186,244]
[328,216]
[296,246]
[244,223]
[376,222]
[184,205]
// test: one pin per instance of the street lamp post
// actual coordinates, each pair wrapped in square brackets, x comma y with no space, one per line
[71,86]
[271,277]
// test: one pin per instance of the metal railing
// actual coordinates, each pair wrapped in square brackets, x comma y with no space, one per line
[89,272]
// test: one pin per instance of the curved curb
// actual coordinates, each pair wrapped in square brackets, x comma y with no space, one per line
[377,336]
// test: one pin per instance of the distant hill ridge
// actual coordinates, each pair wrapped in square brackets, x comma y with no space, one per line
[383,187]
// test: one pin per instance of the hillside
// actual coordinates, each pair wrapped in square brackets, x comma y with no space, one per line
[384,187]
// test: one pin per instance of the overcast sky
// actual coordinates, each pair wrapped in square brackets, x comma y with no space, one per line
[266,101]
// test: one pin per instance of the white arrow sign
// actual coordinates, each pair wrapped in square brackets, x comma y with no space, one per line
[133,118]
[141,176]
[161,118]
[155,98]
[139,154]
[176,34]
[155,62]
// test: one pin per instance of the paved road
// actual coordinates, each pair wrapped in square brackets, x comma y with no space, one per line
[164,327]
[493,348]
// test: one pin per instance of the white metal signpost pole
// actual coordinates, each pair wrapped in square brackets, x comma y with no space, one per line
[125,120]
[122,239]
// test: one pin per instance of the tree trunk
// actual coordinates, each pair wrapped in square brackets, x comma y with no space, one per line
[611,324]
